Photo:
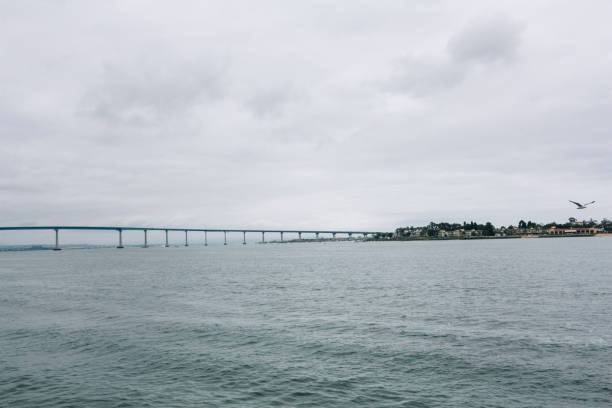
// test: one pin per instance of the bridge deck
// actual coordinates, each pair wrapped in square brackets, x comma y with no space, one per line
[118,228]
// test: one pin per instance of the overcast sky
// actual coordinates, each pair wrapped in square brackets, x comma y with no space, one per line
[312,114]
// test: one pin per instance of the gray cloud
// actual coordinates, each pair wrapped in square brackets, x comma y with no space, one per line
[286,115]
[486,40]
[421,77]
[270,102]
[143,92]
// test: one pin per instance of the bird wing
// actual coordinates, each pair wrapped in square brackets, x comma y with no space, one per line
[590,203]
[578,204]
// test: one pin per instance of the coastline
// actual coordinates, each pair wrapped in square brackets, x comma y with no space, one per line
[526,236]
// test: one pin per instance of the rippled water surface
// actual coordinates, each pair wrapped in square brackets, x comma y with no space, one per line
[509,323]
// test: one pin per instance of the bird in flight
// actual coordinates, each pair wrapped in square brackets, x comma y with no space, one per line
[581,206]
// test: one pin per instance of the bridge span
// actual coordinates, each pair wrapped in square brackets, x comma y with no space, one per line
[58,228]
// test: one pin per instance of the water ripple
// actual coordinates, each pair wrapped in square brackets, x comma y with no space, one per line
[492,324]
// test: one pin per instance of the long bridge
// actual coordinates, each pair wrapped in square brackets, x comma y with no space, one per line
[58,228]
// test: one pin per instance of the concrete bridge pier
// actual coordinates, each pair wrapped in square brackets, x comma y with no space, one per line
[120,238]
[317,235]
[263,237]
[146,245]
[243,237]
[186,239]
[205,238]
[350,234]
[300,236]
[167,239]
[333,235]
[57,248]
[224,237]
[281,236]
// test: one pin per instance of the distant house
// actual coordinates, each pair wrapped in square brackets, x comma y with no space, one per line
[572,231]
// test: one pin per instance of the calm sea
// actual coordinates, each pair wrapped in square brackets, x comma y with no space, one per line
[508,323]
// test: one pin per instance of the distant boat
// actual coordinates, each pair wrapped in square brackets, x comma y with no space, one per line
[581,206]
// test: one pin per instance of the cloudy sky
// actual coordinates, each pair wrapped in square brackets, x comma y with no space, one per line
[312,114]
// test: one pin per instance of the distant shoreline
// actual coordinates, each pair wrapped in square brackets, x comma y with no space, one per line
[526,236]
[19,248]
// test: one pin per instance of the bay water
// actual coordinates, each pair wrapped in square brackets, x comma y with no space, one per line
[485,323]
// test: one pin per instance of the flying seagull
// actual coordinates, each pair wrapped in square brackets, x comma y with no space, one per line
[581,206]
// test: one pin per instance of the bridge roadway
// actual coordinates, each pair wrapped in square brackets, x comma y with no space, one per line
[120,230]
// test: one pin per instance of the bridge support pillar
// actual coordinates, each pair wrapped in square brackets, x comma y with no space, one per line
[281,236]
[333,235]
[300,236]
[146,245]
[317,235]
[167,239]
[350,234]
[120,239]
[243,237]
[205,238]
[224,237]
[186,239]
[57,248]
[263,237]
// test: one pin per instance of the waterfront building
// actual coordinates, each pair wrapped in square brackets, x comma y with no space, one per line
[572,231]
